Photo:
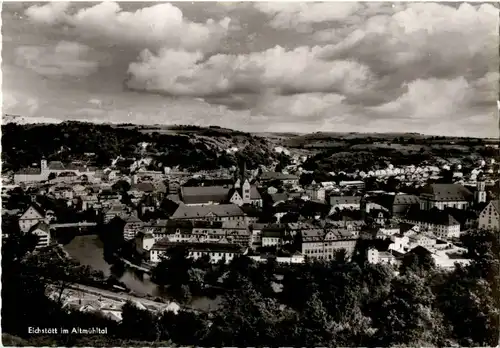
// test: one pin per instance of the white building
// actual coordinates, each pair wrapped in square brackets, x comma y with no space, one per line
[215,251]
[42,231]
[384,257]
[489,218]
[32,216]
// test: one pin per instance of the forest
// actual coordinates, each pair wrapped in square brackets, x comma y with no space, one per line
[99,144]
[336,303]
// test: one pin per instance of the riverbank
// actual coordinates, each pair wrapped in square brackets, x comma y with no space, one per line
[88,250]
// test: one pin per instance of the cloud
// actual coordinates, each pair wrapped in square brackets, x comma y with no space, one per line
[344,66]
[286,15]
[160,25]
[12,104]
[65,59]
[95,101]
[51,13]
[284,71]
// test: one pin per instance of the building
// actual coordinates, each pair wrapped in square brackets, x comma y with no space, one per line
[384,257]
[296,258]
[344,202]
[245,194]
[204,195]
[220,212]
[399,204]
[438,222]
[442,196]
[316,192]
[32,216]
[133,225]
[237,232]
[489,219]
[215,251]
[272,234]
[284,178]
[318,244]
[29,175]
[42,231]
[358,184]
[117,210]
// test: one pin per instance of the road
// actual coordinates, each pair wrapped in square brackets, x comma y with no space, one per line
[91,292]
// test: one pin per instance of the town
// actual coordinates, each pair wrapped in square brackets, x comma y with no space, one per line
[279,213]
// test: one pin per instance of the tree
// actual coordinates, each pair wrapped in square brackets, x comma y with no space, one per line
[121,186]
[138,323]
[317,325]
[406,316]
[245,319]
[52,176]
[418,261]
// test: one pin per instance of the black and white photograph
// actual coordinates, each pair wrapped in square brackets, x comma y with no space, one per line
[250,174]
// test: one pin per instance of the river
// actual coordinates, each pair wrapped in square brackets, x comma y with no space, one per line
[88,250]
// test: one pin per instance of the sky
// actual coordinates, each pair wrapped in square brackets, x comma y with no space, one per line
[430,68]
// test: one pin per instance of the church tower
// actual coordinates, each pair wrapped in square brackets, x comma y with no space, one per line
[481,191]
[43,165]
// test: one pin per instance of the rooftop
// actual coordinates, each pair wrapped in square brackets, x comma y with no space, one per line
[217,210]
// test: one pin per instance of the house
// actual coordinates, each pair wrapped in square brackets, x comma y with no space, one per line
[137,191]
[32,216]
[445,195]
[108,198]
[284,178]
[220,212]
[344,202]
[380,217]
[117,210]
[440,223]
[421,239]
[133,225]
[42,230]
[252,213]
[400,243]
[208,231]
[316,192]
[383,257]
[215,251]
[256,229]
[89,201]
[296,258]
[358,184]
[204,195]
[489,218]
[237,232]
[272,234]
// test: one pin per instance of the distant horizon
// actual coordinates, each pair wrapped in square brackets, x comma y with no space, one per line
[365,67]
[238,130]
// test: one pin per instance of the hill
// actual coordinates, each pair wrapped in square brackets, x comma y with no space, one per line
[188,147]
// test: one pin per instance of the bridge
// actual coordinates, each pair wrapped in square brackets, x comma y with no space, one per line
[145,268]
[73,224]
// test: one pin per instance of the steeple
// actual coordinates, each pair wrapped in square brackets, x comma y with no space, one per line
[243,169]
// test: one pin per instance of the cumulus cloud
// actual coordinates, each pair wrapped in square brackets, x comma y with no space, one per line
[284,71]
[65,59]
[160,25]
[287,15]
[51,13]
[12,104]
[382,66]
